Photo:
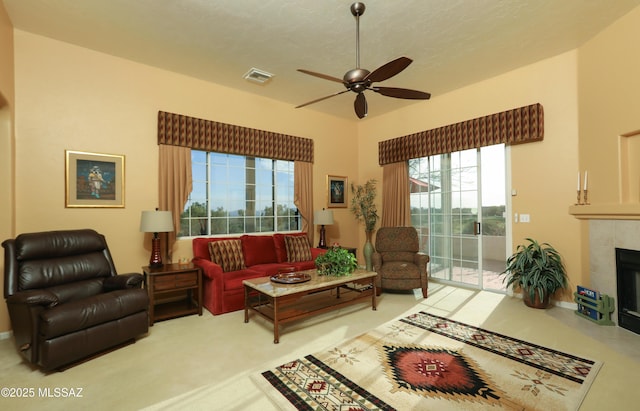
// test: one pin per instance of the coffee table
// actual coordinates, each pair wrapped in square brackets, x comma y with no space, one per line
[282,303]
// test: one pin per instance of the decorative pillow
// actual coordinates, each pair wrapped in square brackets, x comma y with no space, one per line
[281,247]
[227,254]
[298,248]
[258,249]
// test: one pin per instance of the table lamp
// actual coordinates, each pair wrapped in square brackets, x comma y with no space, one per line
[156,222]
[323,217]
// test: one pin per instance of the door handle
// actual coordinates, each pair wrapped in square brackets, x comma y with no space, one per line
[476,228]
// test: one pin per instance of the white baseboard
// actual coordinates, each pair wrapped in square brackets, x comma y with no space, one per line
[562,304]
[566,304]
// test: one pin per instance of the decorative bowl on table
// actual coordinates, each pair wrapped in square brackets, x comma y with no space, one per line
[290,278]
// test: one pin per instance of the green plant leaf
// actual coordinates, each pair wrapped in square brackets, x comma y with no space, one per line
[336,261]
[536,267]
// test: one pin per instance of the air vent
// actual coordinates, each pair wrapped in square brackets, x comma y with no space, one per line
[258,76]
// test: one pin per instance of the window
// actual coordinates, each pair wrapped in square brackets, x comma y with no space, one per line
[234,194]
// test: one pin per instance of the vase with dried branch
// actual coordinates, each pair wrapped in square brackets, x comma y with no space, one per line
[363,207]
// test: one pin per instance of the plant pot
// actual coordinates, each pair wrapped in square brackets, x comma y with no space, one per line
[536,303]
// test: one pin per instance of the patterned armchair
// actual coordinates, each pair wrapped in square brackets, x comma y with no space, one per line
[397,260]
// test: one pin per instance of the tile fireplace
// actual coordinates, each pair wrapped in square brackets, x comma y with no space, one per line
[605,236]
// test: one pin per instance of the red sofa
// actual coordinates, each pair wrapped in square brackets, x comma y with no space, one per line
[262,255]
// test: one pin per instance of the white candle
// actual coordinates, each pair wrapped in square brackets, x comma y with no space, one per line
[585,181]
[578,181]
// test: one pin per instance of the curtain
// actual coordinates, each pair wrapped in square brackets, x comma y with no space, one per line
[303,195]
[175,185]
[179,131]
[396,210]
[207,135]
[520,125]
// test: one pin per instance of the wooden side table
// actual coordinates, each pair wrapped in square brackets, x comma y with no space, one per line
[174,290]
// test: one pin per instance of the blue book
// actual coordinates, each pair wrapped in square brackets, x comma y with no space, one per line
[586,307]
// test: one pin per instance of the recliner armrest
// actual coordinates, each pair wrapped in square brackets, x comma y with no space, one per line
[122,281]
[34,297]
[421,260]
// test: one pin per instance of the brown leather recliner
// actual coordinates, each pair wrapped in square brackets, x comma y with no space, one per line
[65,299]
[398,262]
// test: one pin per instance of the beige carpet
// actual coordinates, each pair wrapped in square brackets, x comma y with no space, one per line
[425,361]
[558,328]
[205,363]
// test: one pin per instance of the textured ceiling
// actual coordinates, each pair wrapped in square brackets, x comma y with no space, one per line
[453,42]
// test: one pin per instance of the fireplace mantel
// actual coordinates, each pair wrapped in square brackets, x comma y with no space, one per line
[606,211]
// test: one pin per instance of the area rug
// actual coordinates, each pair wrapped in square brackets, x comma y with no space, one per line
[426,362]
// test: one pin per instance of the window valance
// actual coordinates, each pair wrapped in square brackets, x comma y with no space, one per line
[207,135]
[520,125]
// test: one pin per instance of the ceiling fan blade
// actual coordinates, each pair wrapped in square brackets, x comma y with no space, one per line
[402,93]
[360,105]
[323,76]
[322,98]
[389,70]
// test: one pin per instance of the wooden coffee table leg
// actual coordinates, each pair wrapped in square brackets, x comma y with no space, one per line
[276,333]
[373,297]
[246,304]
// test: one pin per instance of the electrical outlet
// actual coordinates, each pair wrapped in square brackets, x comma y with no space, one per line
[524,218]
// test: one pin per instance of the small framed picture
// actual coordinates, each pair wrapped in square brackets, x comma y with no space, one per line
[94,180]
[337,191]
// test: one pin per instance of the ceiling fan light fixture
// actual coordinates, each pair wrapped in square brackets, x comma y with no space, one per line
[257,76]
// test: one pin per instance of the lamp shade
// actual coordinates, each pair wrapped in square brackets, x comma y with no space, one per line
[323,217]
[156,222]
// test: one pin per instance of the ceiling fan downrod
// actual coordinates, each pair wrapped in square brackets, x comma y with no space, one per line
[357,9]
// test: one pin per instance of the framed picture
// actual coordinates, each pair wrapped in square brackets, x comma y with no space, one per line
[337,191]
[94,180]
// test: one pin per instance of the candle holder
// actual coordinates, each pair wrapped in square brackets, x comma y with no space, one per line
[586,201]
[578,203]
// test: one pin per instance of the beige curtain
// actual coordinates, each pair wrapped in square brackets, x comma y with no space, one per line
[396,211]
[303,195]
[175,185]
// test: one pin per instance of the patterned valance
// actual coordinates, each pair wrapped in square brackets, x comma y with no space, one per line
[520,125]
[207,135]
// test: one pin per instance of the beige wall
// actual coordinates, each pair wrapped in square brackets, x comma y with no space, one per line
[6,144]
[609,102]
[609,107]
[543,173]
[77,99]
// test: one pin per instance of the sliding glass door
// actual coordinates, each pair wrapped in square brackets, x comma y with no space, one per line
[458,206]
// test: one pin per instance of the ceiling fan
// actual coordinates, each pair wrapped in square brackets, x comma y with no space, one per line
[358,79]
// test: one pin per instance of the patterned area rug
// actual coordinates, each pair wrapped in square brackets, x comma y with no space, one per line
[428,362]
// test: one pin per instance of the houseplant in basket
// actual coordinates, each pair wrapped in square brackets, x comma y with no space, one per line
[364,209]
[536,268]
[336,261]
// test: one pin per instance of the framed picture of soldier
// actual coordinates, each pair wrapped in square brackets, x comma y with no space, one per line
[94,180]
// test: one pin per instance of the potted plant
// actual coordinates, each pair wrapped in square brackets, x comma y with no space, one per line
[336,261]
[538,270]
[364,209]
